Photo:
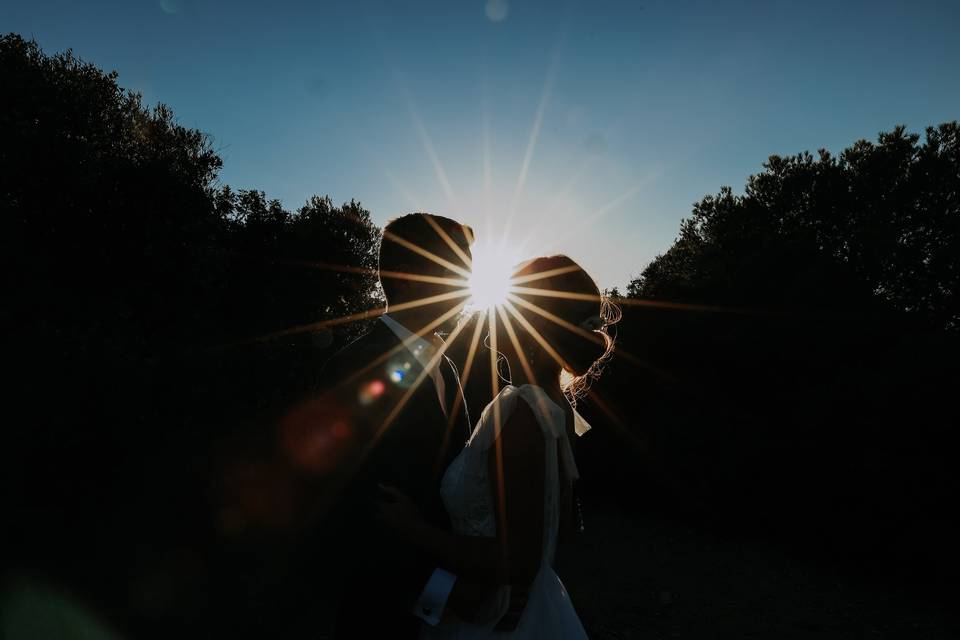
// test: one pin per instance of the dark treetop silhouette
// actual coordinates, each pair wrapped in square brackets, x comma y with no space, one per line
[876,227]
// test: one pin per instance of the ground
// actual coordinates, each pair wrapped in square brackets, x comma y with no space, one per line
[635,576]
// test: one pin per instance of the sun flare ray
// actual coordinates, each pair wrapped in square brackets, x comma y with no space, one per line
[365,315]
[553,293]
[616,420]
[429,255]
[540,275]
[427,142]
[401,188]
[472,352]
[533,331]
[396,275]
[512,334]
[467,261]
[546,93]
[640,302]
[464,380]
[402,402]
[497,421]
[589,335]
[405,344]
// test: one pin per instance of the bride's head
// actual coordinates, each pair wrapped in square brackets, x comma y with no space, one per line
[566,322]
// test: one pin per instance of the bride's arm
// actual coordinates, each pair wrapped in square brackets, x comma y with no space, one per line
[517,470]
[516,466]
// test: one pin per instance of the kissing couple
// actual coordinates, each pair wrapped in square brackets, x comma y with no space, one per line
[447,526]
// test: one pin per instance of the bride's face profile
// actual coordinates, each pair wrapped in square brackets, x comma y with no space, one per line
[566,318]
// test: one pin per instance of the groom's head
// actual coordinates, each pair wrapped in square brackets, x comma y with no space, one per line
[420,244]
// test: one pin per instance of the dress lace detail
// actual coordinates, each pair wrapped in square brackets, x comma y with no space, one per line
[466,495]
[468,498]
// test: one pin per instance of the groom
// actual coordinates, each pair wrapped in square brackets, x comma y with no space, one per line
[407,421]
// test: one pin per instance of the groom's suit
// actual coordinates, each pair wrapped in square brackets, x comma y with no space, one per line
[383,578]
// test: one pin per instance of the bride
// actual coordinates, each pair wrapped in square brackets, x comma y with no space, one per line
[509,491]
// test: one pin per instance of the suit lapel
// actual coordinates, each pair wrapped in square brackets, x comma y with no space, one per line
[443,435]
[407,370]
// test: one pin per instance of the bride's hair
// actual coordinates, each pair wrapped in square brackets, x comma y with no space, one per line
[571,316]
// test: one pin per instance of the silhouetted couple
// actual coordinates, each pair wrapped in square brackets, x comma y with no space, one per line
[449,525]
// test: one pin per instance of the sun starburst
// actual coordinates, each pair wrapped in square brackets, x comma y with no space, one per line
[490,282]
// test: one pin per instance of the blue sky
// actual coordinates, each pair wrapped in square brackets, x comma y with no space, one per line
[596,123]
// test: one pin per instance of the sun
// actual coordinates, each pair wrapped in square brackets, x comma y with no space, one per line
[490,278]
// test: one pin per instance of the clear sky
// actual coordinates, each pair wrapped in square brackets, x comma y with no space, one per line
[597,123]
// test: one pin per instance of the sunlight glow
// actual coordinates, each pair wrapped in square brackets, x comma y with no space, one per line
[489,283]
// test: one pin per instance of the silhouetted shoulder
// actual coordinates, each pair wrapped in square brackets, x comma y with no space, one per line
[358,354]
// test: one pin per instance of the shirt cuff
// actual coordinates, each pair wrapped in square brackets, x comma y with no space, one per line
[429,606]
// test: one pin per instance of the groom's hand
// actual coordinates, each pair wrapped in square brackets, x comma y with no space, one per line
[519,595]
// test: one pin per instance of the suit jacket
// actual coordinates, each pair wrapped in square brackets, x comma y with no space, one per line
[372,381]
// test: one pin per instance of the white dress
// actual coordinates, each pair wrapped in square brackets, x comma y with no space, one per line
[468,497]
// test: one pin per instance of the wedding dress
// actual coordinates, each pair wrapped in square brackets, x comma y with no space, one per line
[468,498]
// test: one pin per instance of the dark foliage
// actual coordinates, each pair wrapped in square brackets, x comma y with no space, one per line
[134,287]
[813,401]
[878,227]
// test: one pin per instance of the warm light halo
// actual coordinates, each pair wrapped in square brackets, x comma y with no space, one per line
[490,280]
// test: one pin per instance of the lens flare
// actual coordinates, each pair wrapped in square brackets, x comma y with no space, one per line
[371,391]
[316,435]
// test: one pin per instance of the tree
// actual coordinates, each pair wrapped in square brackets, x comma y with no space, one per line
[316,264]
[105,206]
[135,283]
[829,408]
[115,231]
[876,227]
